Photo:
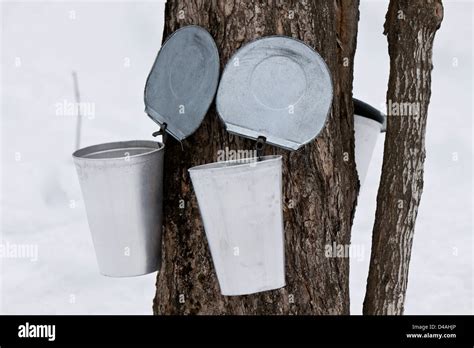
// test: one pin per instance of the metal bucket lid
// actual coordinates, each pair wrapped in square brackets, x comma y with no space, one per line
[183,81]
[275,87]
[368,111]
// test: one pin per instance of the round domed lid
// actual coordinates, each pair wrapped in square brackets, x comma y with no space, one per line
[275,87]
[183,81]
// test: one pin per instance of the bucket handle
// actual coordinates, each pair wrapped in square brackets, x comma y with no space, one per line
[162,131]
[259,146]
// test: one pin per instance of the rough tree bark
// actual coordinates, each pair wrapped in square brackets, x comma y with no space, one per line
[320,180]
[410,27]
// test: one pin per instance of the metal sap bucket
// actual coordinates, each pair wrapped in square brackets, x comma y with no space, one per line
[122,185]
[241,208]
[368,124]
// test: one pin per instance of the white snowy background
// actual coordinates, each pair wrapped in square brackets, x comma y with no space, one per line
[112,46]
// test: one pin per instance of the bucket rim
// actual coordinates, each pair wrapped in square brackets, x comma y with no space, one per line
[223,165]
[88,150]
[367,111]
[368,119]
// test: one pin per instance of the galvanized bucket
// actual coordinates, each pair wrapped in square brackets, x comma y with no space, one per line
[122,186]
[368,124]
[241,208]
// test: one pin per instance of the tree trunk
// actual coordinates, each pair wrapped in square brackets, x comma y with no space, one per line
[319,181]
[410,28]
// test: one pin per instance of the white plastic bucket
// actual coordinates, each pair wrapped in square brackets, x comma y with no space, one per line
[241,208]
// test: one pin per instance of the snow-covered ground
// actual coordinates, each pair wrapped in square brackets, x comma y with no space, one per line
[112,46]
